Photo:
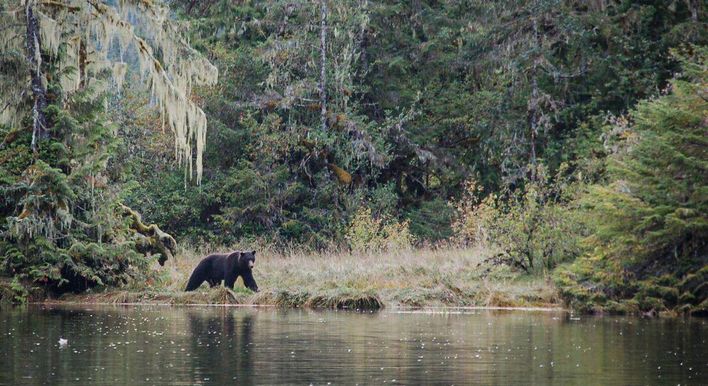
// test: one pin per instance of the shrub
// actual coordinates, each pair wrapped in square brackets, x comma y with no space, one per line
[654,207]
[530,228]
[368,233]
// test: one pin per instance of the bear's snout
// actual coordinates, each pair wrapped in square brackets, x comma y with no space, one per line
[251,264]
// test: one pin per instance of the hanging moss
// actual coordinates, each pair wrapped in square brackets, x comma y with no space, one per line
[89,29]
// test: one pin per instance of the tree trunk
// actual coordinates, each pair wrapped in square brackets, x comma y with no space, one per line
[82,64]
[323,74]
[534,101]
[39,125]
[693,5]
[190,6]
[364,43]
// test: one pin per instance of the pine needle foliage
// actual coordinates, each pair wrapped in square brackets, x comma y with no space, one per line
[650,221]
[655,207]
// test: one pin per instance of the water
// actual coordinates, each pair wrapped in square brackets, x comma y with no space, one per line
[217,345]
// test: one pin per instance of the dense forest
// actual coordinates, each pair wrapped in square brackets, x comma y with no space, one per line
[565,138]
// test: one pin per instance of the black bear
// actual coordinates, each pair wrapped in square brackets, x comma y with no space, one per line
[224,266]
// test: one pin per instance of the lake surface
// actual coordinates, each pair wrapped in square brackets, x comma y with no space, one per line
[229,345]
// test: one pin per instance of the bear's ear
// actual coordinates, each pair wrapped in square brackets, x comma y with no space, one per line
[253,253]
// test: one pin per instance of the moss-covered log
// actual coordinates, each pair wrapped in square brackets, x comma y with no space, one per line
[150,238]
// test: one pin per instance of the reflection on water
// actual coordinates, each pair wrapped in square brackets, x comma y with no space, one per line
[225,345]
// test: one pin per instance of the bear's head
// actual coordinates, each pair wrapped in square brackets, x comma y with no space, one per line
[247,260]
[242,263]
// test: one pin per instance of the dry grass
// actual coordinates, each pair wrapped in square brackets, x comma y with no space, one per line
[409,278]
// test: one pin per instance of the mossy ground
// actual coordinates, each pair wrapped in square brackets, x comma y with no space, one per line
[365,281]
[597,285]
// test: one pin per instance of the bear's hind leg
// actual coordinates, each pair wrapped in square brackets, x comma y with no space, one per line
[194,281]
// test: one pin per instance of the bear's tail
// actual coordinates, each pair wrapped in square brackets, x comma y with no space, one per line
[194,281]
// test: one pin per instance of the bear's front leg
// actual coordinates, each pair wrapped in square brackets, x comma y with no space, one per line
[249,281]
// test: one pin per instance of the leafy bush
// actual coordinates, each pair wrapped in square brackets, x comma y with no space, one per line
[530,228]
[369,233]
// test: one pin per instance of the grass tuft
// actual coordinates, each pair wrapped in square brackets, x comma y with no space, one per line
[346,300]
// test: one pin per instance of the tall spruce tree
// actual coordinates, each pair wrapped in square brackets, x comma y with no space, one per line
[654,209]
[649,228]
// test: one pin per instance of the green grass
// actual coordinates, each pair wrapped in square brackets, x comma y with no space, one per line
[343,280]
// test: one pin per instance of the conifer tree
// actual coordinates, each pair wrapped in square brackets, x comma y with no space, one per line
[654,209]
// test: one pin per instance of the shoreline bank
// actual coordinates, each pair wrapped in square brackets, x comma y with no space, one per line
[334,299]
[398,309]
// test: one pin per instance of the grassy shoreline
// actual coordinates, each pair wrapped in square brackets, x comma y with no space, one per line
[421,278]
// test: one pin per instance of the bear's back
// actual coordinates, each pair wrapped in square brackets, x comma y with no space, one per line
[219,262]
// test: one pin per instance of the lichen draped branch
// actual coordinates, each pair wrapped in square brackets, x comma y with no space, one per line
[76,24]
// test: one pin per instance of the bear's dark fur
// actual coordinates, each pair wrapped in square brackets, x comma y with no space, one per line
[224,266]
